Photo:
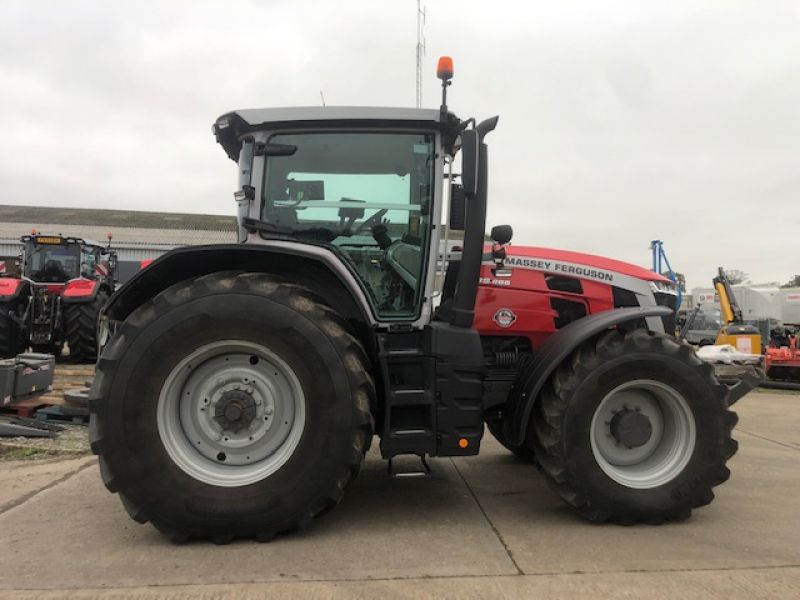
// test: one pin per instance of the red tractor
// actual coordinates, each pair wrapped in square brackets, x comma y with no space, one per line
[782,356]
[240,385]
[64,283]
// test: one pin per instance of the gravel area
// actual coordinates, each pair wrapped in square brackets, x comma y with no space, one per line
[72,441]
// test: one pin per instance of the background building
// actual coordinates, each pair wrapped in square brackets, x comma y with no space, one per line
[136,235]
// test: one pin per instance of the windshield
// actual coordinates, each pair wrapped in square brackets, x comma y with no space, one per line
[368,196]
[707,319]
[54,263]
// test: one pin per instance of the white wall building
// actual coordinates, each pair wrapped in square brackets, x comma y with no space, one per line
[136,235]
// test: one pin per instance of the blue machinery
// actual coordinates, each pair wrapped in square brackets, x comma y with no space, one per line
[660,261]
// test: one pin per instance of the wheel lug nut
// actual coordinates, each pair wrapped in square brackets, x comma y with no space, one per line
[220,381]
[269,410]
[250,390]
[237,387]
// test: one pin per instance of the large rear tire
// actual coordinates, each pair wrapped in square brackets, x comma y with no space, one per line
[634,428]
[80,327]
[13,339]
[231,406]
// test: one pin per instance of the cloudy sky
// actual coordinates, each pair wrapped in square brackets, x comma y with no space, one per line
[620,121]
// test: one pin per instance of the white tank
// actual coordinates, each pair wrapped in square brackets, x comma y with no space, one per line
[756,302]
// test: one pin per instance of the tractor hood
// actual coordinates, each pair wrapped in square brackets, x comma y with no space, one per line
[534,253]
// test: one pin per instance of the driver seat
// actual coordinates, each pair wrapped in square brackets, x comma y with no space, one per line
[54,271]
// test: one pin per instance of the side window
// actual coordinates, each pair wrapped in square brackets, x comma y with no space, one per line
[366,195]
[89,262]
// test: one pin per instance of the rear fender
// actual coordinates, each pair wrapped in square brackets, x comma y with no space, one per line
[11,288]
[312,266]
[552,353]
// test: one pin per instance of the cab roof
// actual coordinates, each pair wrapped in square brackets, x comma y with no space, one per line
[66,239]
[229,127]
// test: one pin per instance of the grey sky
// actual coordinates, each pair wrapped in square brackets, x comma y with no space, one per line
[620,122]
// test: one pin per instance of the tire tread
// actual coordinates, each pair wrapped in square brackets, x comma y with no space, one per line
[348,347]
[549,417]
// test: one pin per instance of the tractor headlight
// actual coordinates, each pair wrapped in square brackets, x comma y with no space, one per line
[664,287]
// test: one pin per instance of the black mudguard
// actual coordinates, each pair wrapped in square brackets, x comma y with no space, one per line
[298,265]
[552,353]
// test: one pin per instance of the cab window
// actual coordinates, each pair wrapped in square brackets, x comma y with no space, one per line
[367,196]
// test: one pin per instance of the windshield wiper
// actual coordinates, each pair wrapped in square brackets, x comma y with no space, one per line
[324,233]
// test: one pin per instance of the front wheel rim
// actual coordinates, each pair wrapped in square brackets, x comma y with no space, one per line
[667,450]
[231,413]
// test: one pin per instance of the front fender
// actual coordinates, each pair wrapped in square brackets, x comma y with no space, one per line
[552,353]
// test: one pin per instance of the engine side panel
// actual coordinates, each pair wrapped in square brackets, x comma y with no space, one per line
[534,304]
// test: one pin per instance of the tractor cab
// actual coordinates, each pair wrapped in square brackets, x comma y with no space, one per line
[365,195]
[362,183]
[51,259]
[54,259]
[367,185]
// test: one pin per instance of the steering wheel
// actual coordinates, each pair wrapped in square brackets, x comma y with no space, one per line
[373,220]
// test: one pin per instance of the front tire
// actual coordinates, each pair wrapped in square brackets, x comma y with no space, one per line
[231,406]
[80,326]
[634,428]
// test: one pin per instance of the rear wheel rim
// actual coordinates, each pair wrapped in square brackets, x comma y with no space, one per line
[667,450]
[231,413]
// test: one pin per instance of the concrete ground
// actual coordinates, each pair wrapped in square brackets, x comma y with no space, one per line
[480,527]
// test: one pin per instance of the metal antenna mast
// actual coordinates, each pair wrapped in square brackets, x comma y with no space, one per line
[420,49]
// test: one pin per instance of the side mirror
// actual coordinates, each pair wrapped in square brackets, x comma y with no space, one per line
[458,207]
[470,144]
[502,234]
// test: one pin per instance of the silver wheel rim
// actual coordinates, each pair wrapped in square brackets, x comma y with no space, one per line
[671,442]
[231,413]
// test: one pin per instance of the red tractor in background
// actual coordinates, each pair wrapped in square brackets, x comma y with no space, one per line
[782,356]
[64,283]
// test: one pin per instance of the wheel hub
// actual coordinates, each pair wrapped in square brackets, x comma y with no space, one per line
[231,413]
[631,428]
[235,410]
[643,433]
